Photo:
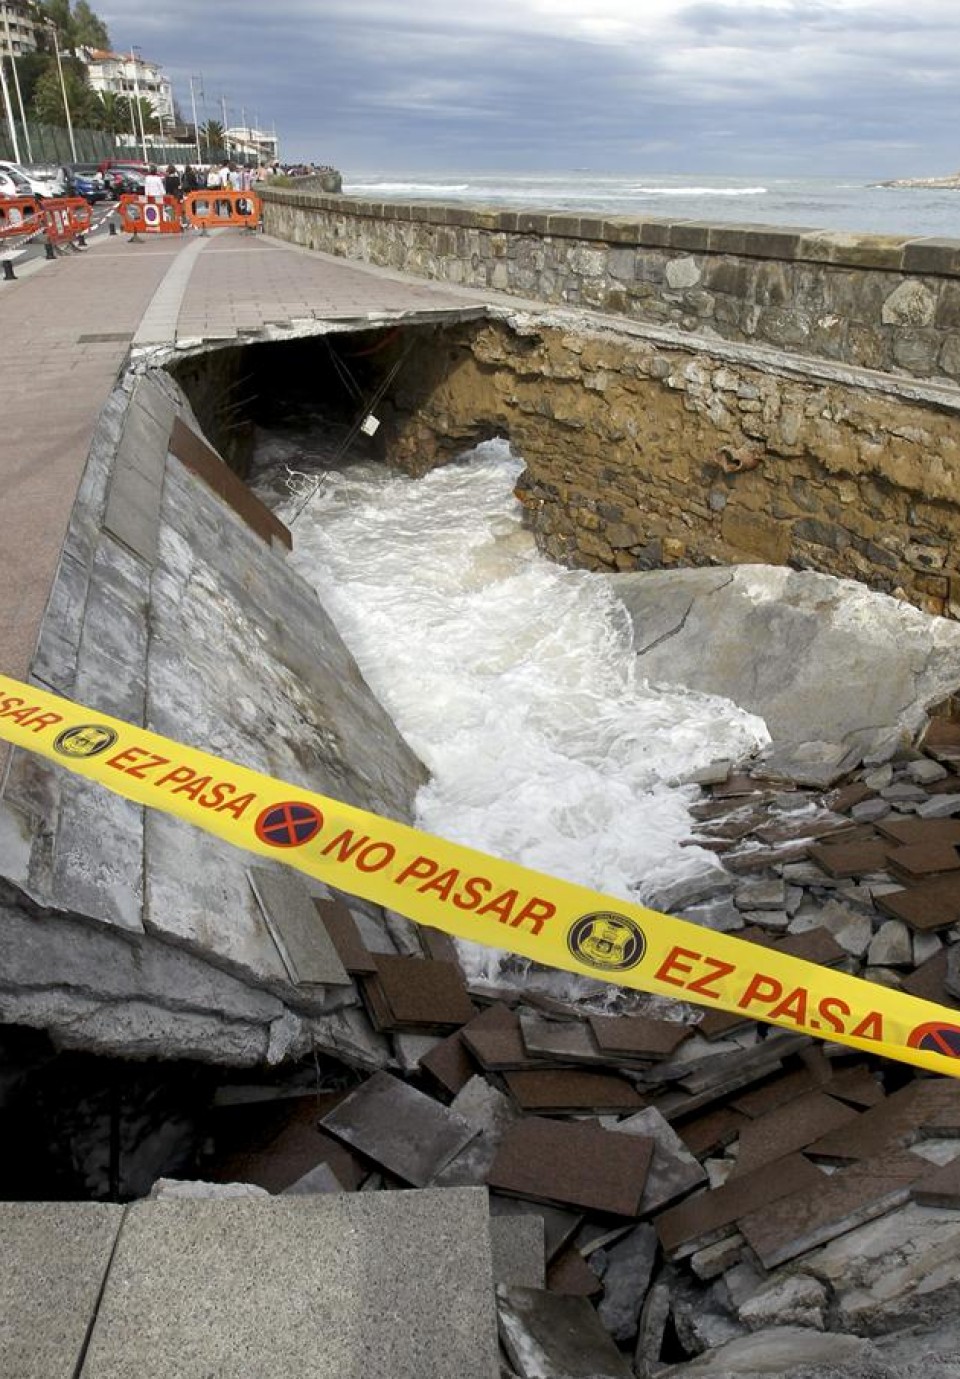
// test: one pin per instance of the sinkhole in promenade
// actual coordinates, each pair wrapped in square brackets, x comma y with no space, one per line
[512,678]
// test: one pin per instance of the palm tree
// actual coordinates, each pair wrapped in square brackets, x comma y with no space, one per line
[213,135]
[114,113]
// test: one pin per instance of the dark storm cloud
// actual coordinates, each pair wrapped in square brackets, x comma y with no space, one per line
[767,86]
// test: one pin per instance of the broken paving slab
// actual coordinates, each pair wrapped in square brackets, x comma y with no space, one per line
[923,1107]
[844,860]
[913,832]
[674,1171]
[560,1042]
[559,1226]
[490,1113]
[704,1219]
[305,947]
[788,1128]
[406,1133]
[329,1287]
[917,860]
[422,993]
[927,906]
[498,1045]
[573,1090]
[637,1036]
[782,1351]
[576,1164]
[547,1336]
[794,1224]
[451,1064]
[346,937]
[708,1134]
[55,1256]
[571,1275]
[519,1255]
[628,1268]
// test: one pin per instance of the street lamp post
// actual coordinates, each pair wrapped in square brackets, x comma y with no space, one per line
[196,127]
[135,60]
[16,84]
[9,110]
[63,88]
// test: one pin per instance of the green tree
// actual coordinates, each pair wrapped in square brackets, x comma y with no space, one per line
[214,137]
[151,125]
[77,26]
[112,112]
[47,103]
[30,68]
[91,31]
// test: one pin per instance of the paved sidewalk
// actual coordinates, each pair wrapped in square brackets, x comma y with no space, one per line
[68,329]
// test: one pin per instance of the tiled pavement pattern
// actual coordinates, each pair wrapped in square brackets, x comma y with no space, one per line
[67,330]
[243,282]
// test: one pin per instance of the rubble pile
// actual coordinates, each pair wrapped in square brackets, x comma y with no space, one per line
[714,1194]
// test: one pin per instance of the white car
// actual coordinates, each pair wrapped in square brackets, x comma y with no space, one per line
[42,181]
[13,182]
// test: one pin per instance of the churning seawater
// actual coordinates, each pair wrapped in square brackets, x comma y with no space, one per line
[513,680]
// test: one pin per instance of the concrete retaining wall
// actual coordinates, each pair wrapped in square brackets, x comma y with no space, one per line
[880,302]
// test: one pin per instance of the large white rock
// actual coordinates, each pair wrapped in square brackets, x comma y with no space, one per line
[836,670]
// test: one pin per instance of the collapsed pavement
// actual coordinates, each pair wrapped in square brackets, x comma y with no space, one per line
[711,1193]
[669,1193]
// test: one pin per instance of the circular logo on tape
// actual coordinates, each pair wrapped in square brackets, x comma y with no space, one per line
[936,1037]
[611,942]
[89,740]
[288,825]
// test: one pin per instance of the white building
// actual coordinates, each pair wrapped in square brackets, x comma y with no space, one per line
[19,29]
[127,74]
[248,143]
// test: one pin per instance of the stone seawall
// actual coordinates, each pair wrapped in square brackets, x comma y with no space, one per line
[887,303]
[642,455]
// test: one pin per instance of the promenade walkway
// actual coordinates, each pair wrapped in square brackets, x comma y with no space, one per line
[68,329]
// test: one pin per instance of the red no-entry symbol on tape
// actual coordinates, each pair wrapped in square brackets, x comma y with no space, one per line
[288,825]
[936,1037]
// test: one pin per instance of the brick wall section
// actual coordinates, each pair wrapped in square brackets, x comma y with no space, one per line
[880,302]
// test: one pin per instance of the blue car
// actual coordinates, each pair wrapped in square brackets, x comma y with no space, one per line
[84,180]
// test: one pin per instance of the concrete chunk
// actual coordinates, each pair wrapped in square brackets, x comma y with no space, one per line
[399,1128]
[302,941]
[552,1336]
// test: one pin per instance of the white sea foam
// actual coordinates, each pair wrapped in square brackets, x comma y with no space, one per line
[700,191]
[414,188]
[513,679]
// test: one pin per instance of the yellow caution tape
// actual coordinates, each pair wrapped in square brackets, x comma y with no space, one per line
[474,896]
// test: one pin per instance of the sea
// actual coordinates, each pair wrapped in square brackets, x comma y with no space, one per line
[849,203]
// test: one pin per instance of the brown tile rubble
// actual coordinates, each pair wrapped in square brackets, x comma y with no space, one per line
[677,1167]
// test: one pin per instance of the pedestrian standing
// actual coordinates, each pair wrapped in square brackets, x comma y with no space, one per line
[171,182]
[153,186]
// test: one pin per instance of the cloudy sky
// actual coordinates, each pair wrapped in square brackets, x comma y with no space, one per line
[740,87]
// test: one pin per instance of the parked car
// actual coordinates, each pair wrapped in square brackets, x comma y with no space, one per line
[45,180]
[13,182]
[84,180]
[122,179]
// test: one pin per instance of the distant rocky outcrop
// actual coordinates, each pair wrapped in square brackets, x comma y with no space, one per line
[950,182]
